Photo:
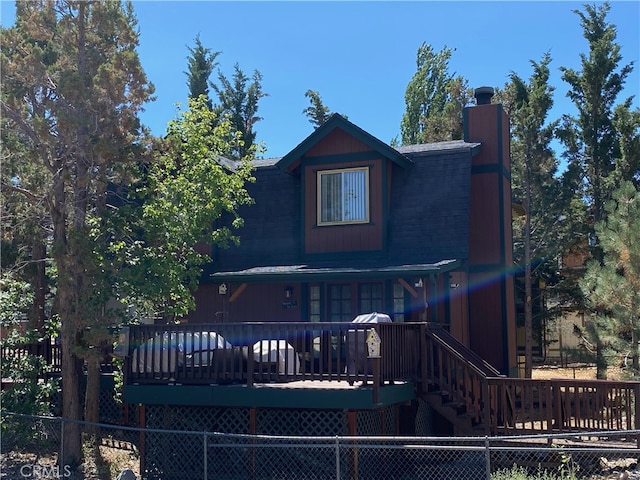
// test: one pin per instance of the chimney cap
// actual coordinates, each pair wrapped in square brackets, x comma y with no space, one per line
[483,95]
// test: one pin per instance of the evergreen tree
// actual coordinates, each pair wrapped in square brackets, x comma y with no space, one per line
[239,98]
[627,123]
[612,287]
[201,64]
[534,181]
[24,223]
[72,89]
[316,112]
[599,155]
[591,139]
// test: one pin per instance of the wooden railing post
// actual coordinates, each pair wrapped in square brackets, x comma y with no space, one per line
[486,404]
[425,351]
[556,398]
[636,403]
[376,378]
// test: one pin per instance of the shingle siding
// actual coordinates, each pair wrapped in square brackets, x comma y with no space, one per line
[429,209]
[271,231]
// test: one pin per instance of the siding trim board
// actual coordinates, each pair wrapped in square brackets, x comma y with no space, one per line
[499,169]
[291,161]
[340,158]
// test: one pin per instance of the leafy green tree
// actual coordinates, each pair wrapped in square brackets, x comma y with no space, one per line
[535,182]
[612,287]
[28,394]
[448,124]
[434,99]
[317,112]
[201,62]
[190,196]
[73,87]
[239,98]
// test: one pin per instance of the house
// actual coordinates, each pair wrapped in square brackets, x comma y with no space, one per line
[345,224]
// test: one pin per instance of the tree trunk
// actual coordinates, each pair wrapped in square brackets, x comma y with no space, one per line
[635,352]
[92,394]
[601,364]
[71,368]
[528,303]
[36,314]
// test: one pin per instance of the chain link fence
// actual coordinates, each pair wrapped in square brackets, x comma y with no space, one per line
[31,449]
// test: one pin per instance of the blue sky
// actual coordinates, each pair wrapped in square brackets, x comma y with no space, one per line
[359,55]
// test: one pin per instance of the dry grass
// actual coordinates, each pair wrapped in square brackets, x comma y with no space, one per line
[103,462]
[110,461]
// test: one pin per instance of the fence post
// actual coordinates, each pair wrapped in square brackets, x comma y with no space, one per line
[636,403]
[487,456]
[204,441]
[337,458]
[61,459]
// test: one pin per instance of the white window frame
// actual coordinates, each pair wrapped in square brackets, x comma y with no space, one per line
[344,220]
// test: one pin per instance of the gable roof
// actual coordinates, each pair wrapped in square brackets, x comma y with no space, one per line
[428,223]
[288,163]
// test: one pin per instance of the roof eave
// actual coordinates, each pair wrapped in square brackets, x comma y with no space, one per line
[323,274]
[288,162]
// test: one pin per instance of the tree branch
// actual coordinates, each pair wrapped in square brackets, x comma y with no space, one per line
[28,131]
[33,198]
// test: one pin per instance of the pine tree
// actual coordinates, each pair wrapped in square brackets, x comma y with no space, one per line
[73,87]
[534,181]
[591,139]
[239,98]
[612,287]
[599,155]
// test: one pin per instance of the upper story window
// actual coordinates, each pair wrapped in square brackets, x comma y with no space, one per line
[343,196]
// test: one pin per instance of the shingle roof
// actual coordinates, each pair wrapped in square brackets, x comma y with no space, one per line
[322,272]
[428,217]
[437,147]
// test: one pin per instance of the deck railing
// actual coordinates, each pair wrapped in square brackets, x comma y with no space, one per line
[504,405]
[562,405]
[272,352]
[422,353]
[45,348]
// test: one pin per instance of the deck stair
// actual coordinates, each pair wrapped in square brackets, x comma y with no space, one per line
[455,377]
[476,399]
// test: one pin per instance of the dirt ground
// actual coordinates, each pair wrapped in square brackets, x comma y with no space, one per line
[113,458]
[577,371]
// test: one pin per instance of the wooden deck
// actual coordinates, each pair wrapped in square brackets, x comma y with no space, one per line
[327,365]
[333,357]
